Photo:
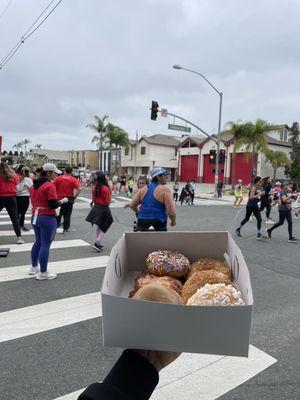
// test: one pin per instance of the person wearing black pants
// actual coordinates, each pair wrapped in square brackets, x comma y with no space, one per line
[285,213]
[252,208]
[23,195]
[66,212]
[23,204]
[265,201]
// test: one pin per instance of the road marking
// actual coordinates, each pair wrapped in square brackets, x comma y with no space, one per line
[60,267]
[58,244]
[2,216]
[43,317]
[12,233]
[27,221]
[205,377]
[84,199]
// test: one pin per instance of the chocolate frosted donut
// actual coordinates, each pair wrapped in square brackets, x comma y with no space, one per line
[167,263]
[210,264]
[145,278]
[199,278]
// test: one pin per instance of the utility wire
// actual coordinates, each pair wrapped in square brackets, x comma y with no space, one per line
[30,31]
[5,8]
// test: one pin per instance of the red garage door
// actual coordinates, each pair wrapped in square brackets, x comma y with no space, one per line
[209,170]
[242,168]
[189,168]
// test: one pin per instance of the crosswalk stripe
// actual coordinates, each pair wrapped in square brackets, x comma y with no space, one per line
[12,233]
[205,377]
[59,244]
[85,199]
[43,317]
[60,267]
[8,222]
[6,216]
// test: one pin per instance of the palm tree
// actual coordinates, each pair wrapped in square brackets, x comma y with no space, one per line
[277,159]
[254,139]
[116,136]
[38,146]
[100,127]
[25,142]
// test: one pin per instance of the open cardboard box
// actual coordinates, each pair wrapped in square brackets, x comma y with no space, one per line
[130,323]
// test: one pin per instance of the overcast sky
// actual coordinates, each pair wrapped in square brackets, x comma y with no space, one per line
[96,57]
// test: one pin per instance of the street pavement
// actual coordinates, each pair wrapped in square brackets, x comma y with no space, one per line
[50,331]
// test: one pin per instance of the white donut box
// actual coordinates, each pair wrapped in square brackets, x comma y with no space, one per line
[130,323]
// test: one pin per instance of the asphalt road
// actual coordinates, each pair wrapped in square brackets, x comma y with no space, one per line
[55,362]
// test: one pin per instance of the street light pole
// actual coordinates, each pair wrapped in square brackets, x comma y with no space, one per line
[219,123]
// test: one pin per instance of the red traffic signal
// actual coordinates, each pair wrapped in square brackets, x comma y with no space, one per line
[154,110]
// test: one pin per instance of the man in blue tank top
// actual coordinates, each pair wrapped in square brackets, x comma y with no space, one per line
[155,203]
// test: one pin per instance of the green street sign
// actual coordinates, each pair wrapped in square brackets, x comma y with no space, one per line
[179,128]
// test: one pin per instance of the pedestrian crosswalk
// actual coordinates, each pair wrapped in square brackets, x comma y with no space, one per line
[67,306]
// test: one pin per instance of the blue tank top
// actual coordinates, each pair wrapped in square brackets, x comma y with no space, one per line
[152,208]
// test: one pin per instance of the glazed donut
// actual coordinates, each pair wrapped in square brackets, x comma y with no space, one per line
[216,295]
[168,263]
[158,292]
[199,279]
[145,278]
[210,263]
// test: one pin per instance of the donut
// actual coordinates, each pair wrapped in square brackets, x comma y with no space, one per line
[199,279]
[145,278]
[167,263]
[210,263]
[216,295]
[157,292]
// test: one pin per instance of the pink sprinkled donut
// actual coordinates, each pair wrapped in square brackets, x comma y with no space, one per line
[167,263]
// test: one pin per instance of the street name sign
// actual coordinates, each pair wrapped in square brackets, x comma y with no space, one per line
[179,128]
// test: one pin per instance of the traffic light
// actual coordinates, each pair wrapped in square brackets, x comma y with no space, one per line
[212,156]
[154,110]
[222,157]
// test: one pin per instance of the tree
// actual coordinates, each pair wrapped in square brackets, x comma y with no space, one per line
[116,136]
[18,146]
[293,170]
[277,159]
[38,146]
[100,127]
[25,143]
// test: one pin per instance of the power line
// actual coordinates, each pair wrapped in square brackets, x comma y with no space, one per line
[30,31]
[5,8]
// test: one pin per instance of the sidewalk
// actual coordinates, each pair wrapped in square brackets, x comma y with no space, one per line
[206,191]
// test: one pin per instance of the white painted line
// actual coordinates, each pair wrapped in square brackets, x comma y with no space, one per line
[27,221]
[12,233]
[205,377]
[59,244]
[43,317]
[59,267]
[84,199]
[3,216]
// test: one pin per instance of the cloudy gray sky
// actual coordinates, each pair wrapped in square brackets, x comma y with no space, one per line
[96,57]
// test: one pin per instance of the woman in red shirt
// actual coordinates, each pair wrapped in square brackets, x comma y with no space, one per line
[100,214]
[44,202]
[8,189]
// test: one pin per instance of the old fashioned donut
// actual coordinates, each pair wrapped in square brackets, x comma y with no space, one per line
[167,263]
[199,279]
[216,295]
[158,292]
[145,278]
[210,263]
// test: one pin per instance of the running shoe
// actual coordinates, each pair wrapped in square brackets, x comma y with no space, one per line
[259,236]
[20,240]
[42,276]
[269,233]
[293,240]
[296,215]
[238,232]
[66,231]
[33,270]
[269,221]
[25,229]
[98,247]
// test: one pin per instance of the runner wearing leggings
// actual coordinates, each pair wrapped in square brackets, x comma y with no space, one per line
[8,185]
[265,199]
[252,207]
[23,195]
[44,202]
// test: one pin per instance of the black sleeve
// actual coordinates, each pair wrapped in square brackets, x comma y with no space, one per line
[131,378]
[53,204]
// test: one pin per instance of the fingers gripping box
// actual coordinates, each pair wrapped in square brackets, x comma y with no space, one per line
[130,323]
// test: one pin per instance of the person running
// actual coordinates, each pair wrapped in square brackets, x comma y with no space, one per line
[185,195]
[285,213]
[220,185]
[175,191]
[66,186]
[265,199]
[252,208]
[156,203]
[8,189]
[192,192]
[44,202]
[23,196]
[238,193]
[276,194]
[100,214]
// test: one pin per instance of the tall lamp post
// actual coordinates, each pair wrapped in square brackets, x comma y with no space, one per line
[219,124]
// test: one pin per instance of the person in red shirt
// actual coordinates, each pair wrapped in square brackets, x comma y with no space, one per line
[44,201]
[8,189]
[66,186]
[100,214]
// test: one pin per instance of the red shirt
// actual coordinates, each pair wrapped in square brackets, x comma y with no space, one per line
[8,188]
[65,185]
[39,198]
[104,198]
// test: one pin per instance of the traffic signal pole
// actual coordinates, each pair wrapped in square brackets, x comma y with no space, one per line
[218,146]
